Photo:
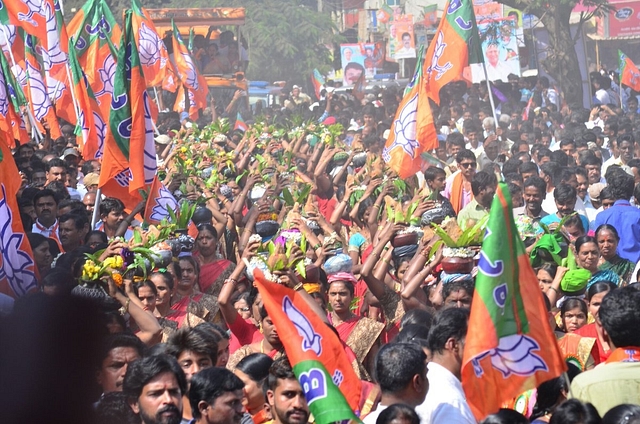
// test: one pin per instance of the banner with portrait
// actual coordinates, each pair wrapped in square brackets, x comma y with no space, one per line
[401,41]
[500,49]
[359,58]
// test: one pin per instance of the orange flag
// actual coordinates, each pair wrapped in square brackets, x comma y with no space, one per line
[17,267]
[154,57]
[455,45]
[629,73]
[510,347]
[158,202]
[318,359]
[413,131]
[187,71]
[129,147]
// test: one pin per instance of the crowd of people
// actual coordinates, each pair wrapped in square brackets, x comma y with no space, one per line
[190,341]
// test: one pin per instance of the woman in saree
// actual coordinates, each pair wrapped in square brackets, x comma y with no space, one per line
[359,333]
[213,269]
[608,240]
[190,306]
[595,294]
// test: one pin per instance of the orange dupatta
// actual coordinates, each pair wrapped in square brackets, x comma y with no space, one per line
[457,194]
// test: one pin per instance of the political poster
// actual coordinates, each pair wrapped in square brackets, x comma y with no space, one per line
[359,58]
[500,49]
[401,35]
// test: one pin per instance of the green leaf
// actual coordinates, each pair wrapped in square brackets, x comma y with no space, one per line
[443,235]
[301,269]
[288,198]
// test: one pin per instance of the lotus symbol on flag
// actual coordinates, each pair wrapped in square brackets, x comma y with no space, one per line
[150,161]
[162,204]
[7,36]
[39,100]
[405,128]
[55,88]
[107,74]
[16,263]
[101,133]
[53,55]
[437,53]
[191,77]
[34,8]
[514,355]
[150,45]
[310,339]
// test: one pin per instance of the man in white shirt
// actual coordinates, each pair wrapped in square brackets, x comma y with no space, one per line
[446,401]
[401,373]
[46,205]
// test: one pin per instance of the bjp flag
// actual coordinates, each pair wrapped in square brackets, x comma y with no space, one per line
[96,33]
[187,72]
[412,131]
[159,201]
[318,359]
[154,57]
[510,347]
[455,45]
[629,73]
[17,267]
[129,147]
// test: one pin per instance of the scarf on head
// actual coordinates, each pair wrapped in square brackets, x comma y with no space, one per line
[575,280]
[342,276]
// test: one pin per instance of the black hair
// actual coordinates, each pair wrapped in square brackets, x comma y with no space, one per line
[36,239]
[549,267]
[141,372]
[79,221]
[511,166]
[61,278]
[626,414]
[92,233]
[537,182]
[465,154]
[432,172]
[621,184]
[575,412]
[482,180]
[348,284]
[256,367]
[620,316]
[527,167]
[114,341]
[417,316]
[583,240]
[564,193]
[110,204]
[75,206]
[168,278]
[396,364]
[199,342]
[550,169]
[448,323]
[600,287]
[454,286]
[145,283]
[114,408]
[398,411]
[573,302]
[505,416]
[45,193]
[548,394]
[209,384]
[207,227]
[456,139]
[279,370]
[55,163]
[591,160]
[87,167]
[610,228]
[413,333]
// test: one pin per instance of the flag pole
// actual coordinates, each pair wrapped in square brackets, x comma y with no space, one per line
[34,127]
[493,105]
[96,209]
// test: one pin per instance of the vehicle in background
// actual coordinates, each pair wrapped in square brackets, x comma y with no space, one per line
[263,92]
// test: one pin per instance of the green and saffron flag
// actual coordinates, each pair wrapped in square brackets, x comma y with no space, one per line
[629,73]
[316,354]
[509,347]
[455,45]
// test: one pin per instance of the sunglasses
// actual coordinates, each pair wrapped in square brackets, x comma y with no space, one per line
[466,165]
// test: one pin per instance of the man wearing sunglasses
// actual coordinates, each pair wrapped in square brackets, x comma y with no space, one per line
[458,185]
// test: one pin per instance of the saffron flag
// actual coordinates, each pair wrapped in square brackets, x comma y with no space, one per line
[31,15]
[240,124]
[153,53]
[96,33]
[17,267]
[455,45]
[629,73]
[159,201]
[129,147]
[181,100]
[38,94]
[318,82]
[91,129]
[12,99]
[187,71]
[318,359]
[510,347]
[412,131]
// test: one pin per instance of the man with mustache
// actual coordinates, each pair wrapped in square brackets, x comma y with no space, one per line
[285,395]
[215,396]
[154,387]
[46,206]
[118,351]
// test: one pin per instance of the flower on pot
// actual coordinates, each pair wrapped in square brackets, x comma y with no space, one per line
[458,242]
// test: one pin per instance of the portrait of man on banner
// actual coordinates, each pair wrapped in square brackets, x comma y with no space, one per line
[403,33]
[500,49]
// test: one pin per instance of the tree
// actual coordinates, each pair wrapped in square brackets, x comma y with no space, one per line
[287,39]
[562,60]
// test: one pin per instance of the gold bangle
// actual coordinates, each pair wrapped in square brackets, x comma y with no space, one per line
[298,286]
[386,261]
[375,205]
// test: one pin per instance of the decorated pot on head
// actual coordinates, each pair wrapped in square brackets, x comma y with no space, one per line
[458,260]
[437,214]
[182,242]
[340,158]
[257,262]
[408,236]
[338,263]
[359,159]
[97,292]
[257,192]
[292,234]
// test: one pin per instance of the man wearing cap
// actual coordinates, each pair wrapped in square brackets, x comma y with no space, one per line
[162,141]
[71,156]
[298,97]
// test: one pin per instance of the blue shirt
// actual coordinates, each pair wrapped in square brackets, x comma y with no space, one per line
[626,220]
